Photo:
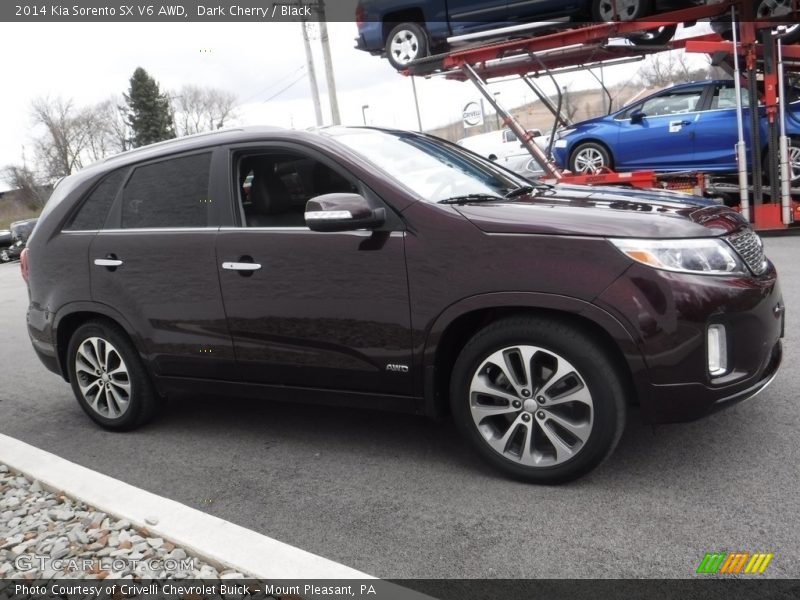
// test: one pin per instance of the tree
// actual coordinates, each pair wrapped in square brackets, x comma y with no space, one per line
[663,69]
[111,133]
[66,132]
[199,109]
[149,114]
[32,193]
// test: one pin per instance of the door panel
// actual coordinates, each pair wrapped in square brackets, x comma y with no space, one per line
[466,16]
[661,142]
[717,132]
[325,310]
[522,10]
[665,137]
[168,290]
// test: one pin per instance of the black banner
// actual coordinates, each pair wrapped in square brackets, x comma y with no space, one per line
[418,589]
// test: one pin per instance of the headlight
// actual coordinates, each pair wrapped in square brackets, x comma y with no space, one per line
[707,256]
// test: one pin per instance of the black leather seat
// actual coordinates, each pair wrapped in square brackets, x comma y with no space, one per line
[270,202]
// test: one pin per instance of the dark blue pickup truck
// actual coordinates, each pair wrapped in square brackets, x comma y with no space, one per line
[405,30]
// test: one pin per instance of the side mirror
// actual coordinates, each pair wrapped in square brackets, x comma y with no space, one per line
[637,116]
[342,212]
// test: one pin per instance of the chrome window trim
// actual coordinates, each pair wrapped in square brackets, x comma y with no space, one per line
[150,230]
[672,115]
[360,232]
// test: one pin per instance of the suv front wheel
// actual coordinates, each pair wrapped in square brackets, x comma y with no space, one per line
[538,399]
[108,377]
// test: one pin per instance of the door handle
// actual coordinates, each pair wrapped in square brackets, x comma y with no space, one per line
[108,262]
[241,266]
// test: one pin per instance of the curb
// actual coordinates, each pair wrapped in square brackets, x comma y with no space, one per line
[213,539]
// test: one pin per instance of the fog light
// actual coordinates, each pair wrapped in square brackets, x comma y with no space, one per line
[717,350]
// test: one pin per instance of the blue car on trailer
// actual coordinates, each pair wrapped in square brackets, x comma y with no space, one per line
[687,127]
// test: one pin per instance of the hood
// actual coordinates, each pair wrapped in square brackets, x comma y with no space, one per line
[606,212]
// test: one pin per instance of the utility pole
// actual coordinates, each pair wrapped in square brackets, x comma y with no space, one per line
[416,104]
[326,53]
[312,73]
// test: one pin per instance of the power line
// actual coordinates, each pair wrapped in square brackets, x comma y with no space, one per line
[295,82]
[272,85]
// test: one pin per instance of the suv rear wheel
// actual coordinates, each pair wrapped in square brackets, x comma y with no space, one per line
[108,377]
[538,399]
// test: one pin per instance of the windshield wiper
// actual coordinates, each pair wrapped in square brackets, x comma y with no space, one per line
[539,188]
[467,198]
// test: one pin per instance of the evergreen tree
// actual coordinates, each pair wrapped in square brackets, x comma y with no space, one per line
[149,112]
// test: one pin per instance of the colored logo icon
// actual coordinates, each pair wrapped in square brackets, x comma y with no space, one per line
[734,563]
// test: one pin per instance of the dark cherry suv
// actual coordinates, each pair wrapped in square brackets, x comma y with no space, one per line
[393,270]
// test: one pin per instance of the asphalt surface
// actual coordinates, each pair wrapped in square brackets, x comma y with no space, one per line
[402,497]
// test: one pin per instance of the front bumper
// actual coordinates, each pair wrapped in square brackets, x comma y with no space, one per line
[669,314]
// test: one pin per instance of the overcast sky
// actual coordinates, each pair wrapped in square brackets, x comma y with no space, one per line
[89,62]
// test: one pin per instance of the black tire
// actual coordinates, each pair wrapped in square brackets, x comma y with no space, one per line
[602,10]
[592,366]
[142,400]
[589,147]
[417,45]
[655,37]
[772,10]
[762,10]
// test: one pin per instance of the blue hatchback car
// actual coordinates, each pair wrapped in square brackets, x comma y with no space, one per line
[687,127]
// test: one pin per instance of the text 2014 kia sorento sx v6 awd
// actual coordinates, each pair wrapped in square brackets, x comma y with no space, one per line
[390,269]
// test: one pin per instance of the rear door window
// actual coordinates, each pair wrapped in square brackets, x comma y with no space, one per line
[171,193]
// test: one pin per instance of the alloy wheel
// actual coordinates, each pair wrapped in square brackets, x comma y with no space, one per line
[531,406]
[624,10]
[589,160]
[103,378]
[794,162]
[404,47]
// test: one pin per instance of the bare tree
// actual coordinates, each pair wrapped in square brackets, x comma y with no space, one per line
[666,68]
[568,108]
[29,189]
[109,132]
[198,109]
[66,136]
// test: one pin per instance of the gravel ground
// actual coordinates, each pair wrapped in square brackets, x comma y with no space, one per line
[45,535]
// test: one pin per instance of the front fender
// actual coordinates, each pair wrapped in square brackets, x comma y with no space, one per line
[619,334]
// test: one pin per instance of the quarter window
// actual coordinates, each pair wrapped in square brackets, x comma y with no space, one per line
[170,193]
[92,214]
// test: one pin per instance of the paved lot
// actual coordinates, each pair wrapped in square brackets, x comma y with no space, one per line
[399,496]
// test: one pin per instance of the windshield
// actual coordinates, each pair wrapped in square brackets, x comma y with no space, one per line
[433,169]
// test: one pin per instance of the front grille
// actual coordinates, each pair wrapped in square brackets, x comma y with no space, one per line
[751,249]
